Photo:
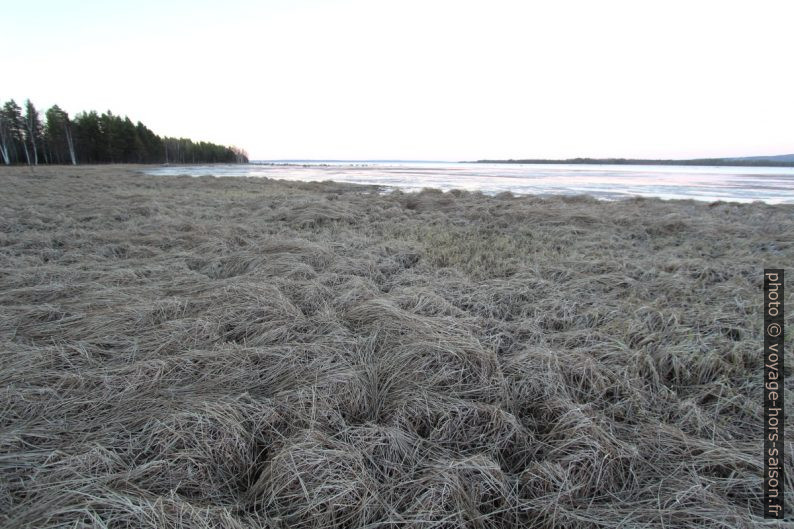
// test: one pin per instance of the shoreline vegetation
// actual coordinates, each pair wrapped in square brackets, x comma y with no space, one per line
[246,352]
[91,138]
[735,162]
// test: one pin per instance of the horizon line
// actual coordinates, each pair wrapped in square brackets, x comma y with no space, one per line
[605,158]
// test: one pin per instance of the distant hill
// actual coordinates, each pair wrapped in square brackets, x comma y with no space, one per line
[783,160]
[778,158]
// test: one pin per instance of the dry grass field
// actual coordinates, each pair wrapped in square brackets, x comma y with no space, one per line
[198,353]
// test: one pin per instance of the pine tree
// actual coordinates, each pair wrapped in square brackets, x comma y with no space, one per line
[88,137]
[33,131]
[12,117]
[58,136]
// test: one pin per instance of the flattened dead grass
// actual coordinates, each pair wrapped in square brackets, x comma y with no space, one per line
[182,352]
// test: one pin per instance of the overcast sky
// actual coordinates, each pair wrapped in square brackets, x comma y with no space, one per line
[431,80]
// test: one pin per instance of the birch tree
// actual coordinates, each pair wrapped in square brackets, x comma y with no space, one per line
[69,141]
[5,138]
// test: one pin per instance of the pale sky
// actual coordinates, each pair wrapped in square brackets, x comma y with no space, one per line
[427,80]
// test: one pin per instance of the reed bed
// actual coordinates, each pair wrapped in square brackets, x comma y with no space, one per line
[228,352]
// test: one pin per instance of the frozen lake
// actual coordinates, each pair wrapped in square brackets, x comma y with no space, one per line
[774,185]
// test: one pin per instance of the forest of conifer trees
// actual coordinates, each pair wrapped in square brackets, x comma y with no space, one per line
[93,138]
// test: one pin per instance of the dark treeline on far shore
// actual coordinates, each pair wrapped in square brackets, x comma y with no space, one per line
[26,138]
[629,161]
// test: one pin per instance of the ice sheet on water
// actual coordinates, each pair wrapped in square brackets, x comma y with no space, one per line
[774,185]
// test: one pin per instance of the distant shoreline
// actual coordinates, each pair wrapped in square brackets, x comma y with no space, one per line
[723,162]
[701,162]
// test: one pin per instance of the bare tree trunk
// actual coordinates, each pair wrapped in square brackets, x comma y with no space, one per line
[70,144]
[4,144]
[27,154]
[35,151]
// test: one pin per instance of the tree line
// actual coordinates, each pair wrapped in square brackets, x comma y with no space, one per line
[748,162]
[26,138]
